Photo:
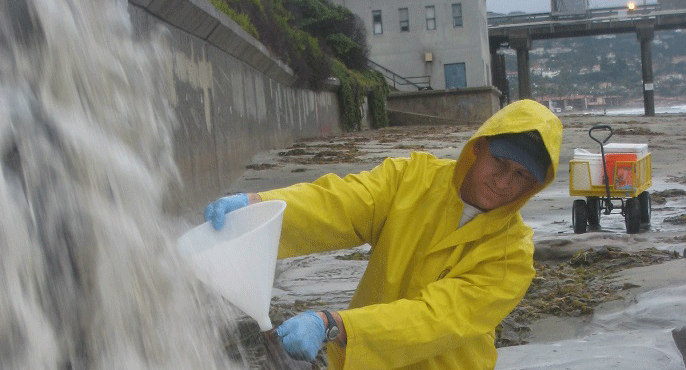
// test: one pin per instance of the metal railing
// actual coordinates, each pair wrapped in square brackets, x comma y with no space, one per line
[500,20]
[419,82]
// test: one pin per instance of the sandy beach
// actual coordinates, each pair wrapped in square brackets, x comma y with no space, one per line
[633,301]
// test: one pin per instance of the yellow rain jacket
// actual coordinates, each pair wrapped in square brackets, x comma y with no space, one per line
[432,294]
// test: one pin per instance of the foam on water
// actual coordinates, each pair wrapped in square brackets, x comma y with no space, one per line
[89,275]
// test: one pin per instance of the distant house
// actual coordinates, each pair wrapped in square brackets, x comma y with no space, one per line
[444,41]
[550,74]
[670,77]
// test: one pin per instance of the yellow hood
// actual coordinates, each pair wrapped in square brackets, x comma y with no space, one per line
[521,116]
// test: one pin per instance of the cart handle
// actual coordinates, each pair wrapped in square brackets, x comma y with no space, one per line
[606,179]
[600,127]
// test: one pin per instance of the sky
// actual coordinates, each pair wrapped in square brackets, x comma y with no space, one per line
[543,6]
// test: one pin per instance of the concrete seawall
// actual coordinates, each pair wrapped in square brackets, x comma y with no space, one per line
[468,105]
[232,98]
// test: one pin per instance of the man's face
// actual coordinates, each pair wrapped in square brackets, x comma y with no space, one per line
[492,182]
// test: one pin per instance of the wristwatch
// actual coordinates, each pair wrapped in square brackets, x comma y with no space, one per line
[332,329]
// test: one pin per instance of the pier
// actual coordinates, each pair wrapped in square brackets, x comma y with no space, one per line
[518,32]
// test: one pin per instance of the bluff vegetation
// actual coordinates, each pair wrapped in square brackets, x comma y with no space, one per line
[318,40]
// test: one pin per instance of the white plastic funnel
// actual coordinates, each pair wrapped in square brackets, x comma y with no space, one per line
[239,260]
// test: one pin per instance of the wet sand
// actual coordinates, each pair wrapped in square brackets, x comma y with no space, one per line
[328,280]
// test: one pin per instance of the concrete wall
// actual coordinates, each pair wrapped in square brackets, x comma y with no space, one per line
[464,106]
[232,98]
[404,52]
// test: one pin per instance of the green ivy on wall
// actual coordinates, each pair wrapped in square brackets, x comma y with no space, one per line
[354,87]
[378,92]
[350,95]
[318,40]
[242,19]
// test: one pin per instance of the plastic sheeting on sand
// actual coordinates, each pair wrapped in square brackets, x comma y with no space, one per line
[638,337]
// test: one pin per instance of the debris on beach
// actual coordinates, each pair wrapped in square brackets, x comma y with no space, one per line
[295,152]
[676,220]
[677,179]
[347,152]
[405,134]
[574,287]
[355,256]
[660,197]
[635,131]
[348,148]
[261,166]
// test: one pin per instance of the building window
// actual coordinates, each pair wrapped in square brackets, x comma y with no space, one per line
[404,17]
[377,26]
[430,18]
[457,15]
[455,75]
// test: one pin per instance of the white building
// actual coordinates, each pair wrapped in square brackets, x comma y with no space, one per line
[550,74]
[444,40]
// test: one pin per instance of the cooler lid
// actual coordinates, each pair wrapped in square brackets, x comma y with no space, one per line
[625,148]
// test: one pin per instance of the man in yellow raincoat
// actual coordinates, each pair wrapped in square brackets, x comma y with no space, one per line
[451,255]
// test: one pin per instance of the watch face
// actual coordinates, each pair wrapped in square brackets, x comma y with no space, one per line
[332,333]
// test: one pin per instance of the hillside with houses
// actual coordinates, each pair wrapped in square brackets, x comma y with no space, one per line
[604,68]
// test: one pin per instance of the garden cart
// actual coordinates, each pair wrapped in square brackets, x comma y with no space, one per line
[618,178]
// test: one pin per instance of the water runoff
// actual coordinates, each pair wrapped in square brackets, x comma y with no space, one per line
[89,274]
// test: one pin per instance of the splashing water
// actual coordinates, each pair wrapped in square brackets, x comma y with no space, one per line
[88,271]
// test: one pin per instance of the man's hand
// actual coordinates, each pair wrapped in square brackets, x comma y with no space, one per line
[214,212]
[302,335]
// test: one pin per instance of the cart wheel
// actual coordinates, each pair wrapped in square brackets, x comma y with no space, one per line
[593,212]
[644,204]
[632,216]
[579,216]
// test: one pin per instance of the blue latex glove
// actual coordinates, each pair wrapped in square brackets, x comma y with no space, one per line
[302,335]
[215,211]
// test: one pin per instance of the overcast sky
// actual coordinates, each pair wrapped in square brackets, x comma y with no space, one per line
[543,6]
